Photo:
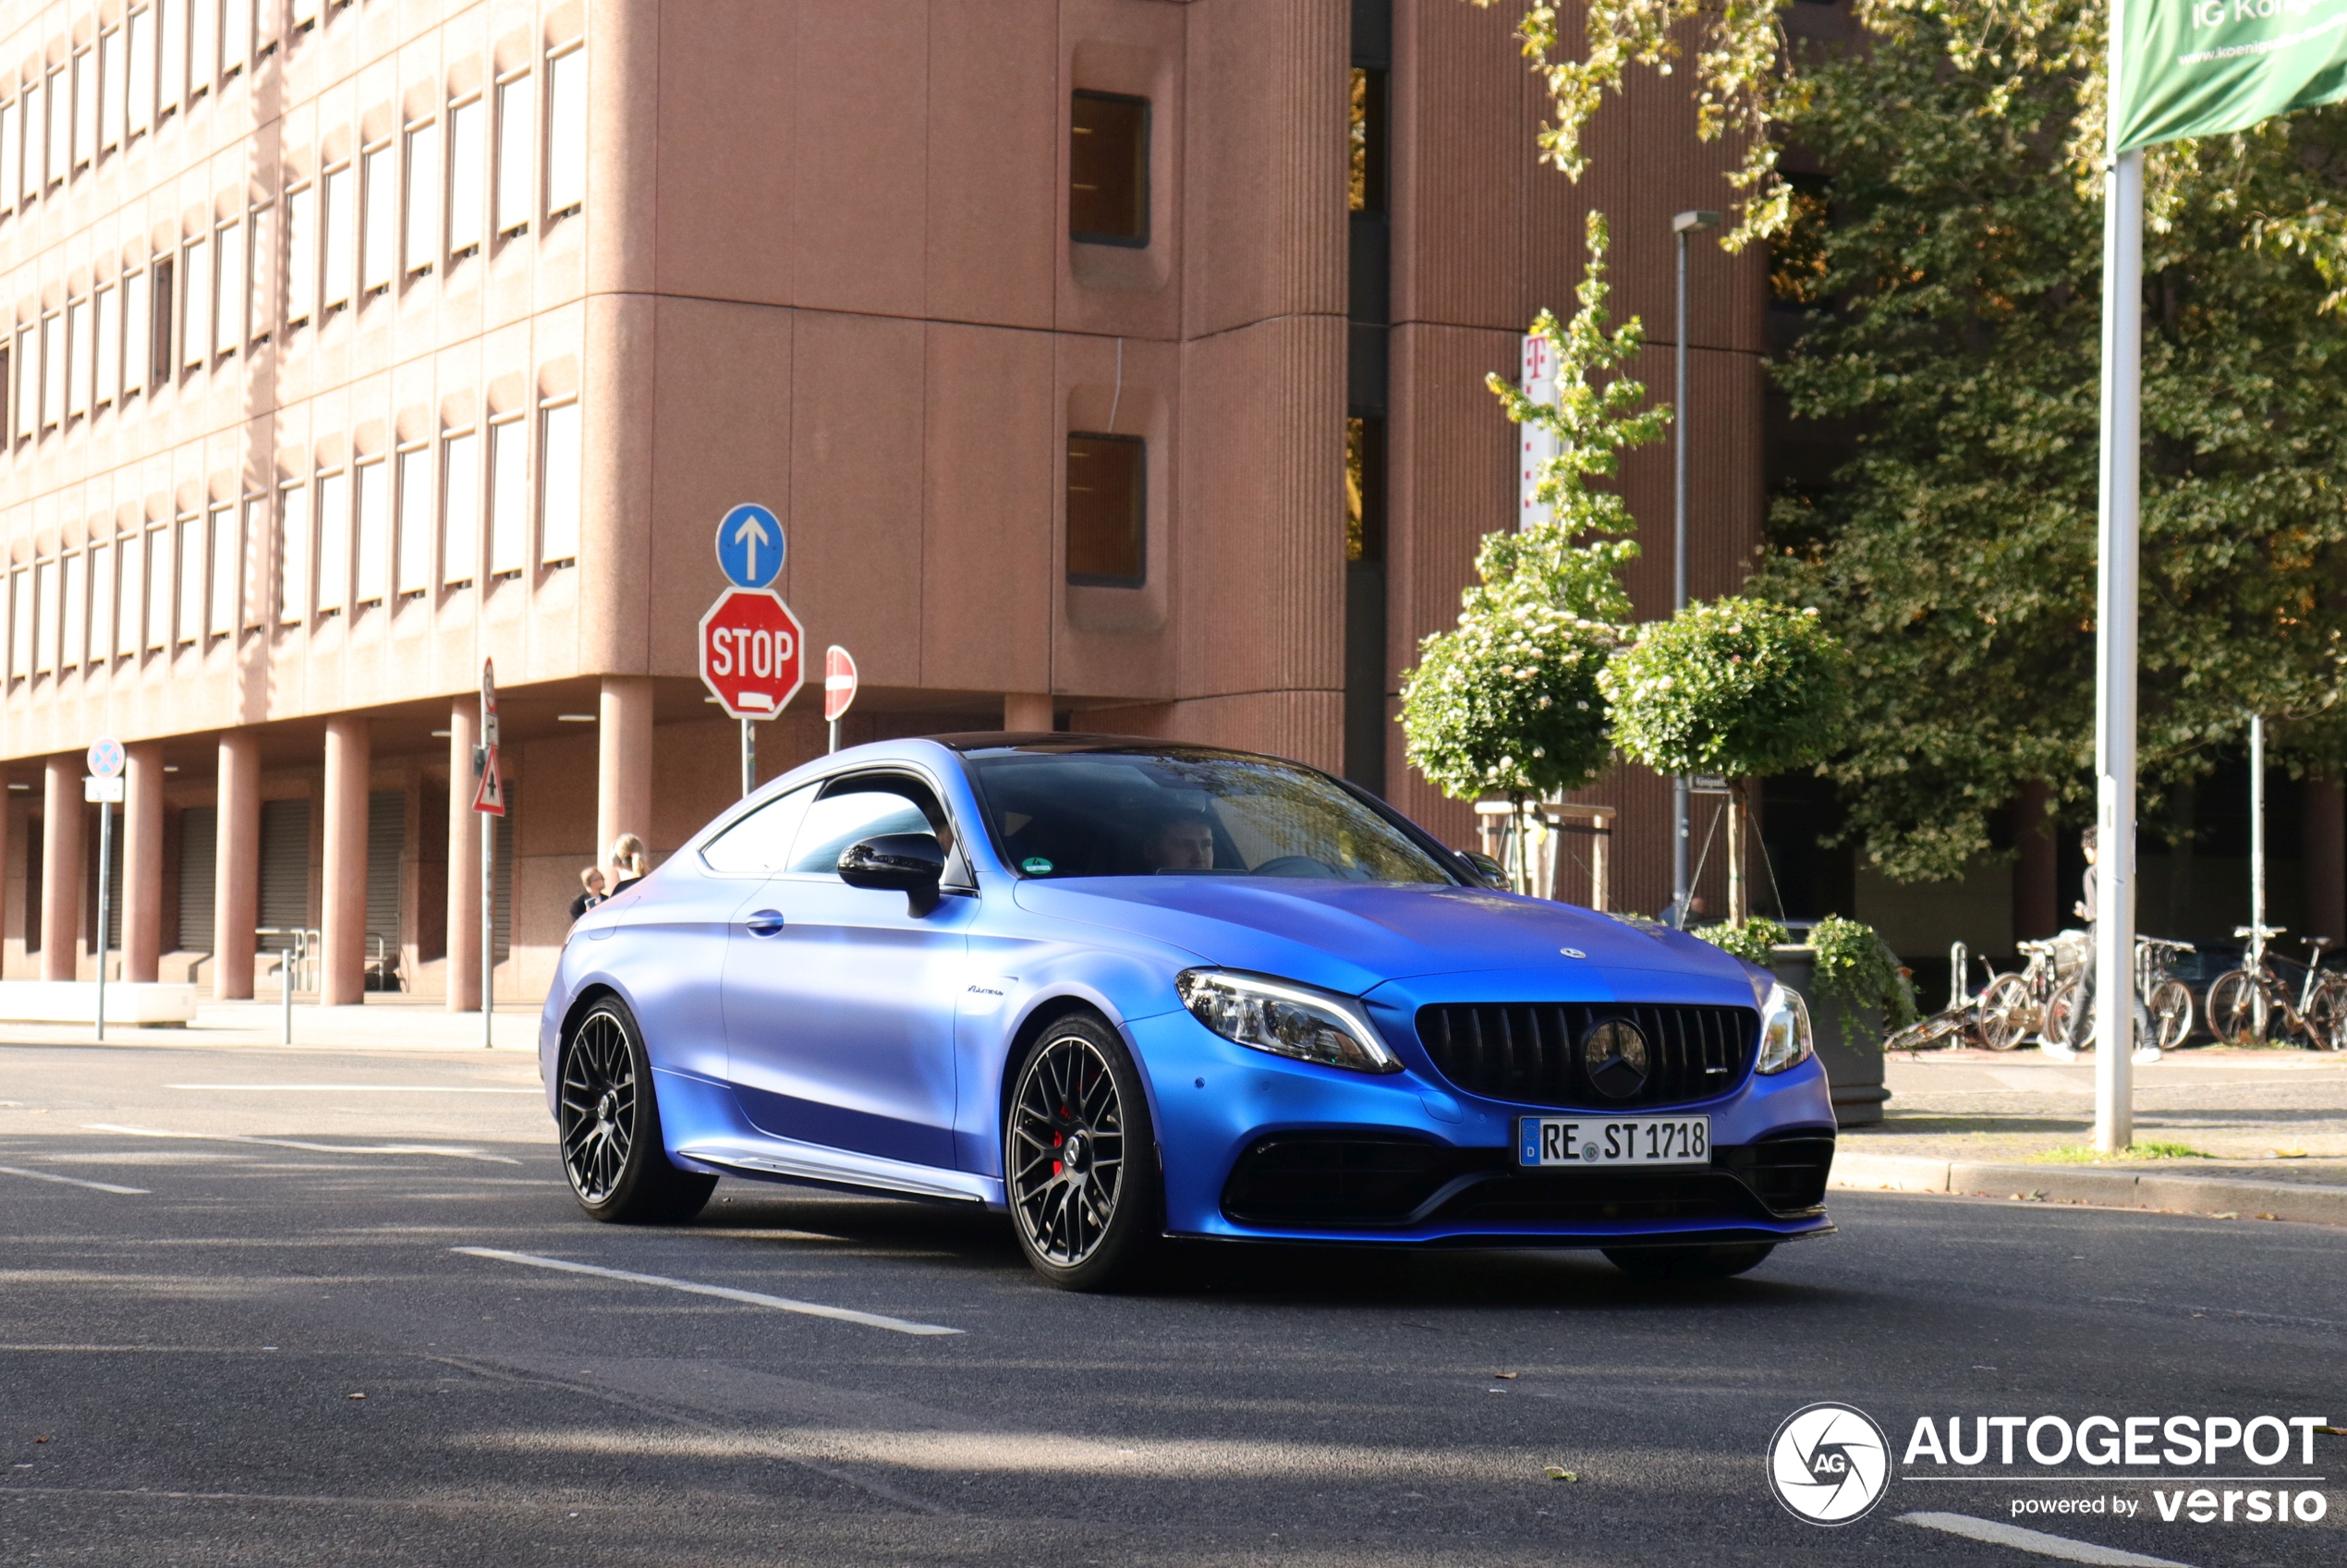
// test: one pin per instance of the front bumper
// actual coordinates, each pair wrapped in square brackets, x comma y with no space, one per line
[1257,1147]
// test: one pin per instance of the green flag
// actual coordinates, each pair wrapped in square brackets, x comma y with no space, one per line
[2201,67]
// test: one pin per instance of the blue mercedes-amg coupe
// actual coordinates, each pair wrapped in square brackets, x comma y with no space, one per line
[1128,989]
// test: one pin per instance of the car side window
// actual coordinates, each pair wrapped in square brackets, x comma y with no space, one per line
[760,844]
[862,807]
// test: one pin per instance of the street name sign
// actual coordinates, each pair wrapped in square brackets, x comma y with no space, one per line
[752,652]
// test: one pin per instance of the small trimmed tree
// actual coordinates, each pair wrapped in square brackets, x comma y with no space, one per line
[1736,687]
[1507,702]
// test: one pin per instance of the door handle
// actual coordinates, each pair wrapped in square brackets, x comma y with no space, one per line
[764,923]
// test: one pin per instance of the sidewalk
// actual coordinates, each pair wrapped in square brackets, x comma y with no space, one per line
[2272,1125]
[383,1022]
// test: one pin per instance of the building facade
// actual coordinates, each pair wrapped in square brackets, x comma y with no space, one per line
[1112,364]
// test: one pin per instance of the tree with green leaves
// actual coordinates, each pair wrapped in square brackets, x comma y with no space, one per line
[1736,687]
[1951,262]
[1507,701]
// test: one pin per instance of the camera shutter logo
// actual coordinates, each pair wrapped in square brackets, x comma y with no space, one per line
[1828,1463]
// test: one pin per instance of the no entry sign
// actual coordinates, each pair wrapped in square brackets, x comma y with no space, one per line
[752,652]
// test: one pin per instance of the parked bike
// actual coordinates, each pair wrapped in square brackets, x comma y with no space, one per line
[2252,1004]
[2013,1007]
[2163,1004]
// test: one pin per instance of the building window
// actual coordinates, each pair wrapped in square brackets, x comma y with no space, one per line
[305,14]
[1108,164]
[229,300]
[192,538]
[138,102]
[73,622]
[1365,489]
[227,538]
[1364,175]
[378,228]
[423,198]
[11,154]
[138,333]
[235,36]
[509,496]
[203,47]
[415,520]
[293,553]
[32,118]
[109,383]
[515,121]
[27,360]
[101,602]
[1107,510]
[371,496]
[165,295]
[53,372]
[334,541]
[7,390]
[44,610]
[565,132]
[301,254]
[85,109]
[174,59]
[130,593]
[467,163]
[114,82]
[558,483]
[195,304]
[60,130]
[252,589]
[339,220]
[20,624]
[255,297]
[81,357]
[460,506]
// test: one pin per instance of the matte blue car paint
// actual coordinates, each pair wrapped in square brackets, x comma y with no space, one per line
[886,1037]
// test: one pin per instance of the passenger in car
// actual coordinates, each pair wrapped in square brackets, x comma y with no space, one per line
[1179,841]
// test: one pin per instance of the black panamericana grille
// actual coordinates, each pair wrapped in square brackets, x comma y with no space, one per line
[1527,1052]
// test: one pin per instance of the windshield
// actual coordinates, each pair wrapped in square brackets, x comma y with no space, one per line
[1187,813]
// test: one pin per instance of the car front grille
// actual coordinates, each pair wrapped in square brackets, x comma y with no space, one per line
[1529,1052]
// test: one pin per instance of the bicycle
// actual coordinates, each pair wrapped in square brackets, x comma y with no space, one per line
[2163,1004]
[2013,1007]
[2245,1004]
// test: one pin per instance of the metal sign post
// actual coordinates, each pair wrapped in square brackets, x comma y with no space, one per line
[104,785]
[489,800]
[839,688]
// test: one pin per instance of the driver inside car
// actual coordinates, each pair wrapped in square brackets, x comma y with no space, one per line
[1180,840]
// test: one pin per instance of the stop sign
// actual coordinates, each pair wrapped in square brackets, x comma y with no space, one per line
[750,651]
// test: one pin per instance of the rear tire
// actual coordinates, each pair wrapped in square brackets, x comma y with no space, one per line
[1720,1260]
[2070,1018]
[2006,1016]
[2238,1011]
[2171,1015]
[2327,1016]
[1080,1160]
[609,1118]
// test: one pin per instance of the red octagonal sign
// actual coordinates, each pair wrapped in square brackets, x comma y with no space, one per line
[751,648]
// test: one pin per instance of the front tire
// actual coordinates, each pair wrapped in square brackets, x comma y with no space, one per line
[610,1123]
[2171,1015]
[2006,1015]
[1721,1260]
[2238,1012]
[1080,1159]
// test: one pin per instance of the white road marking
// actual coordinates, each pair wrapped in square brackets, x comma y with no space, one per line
[2038,1541]
[726,1293]
[296,1143]
[72,1181]
[362,1088]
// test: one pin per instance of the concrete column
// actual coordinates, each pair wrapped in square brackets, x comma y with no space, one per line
[350,757]
[64,870]
[235,871]
[623,778]
[463,858]
[1025,710]
[2325,857]
[142,889]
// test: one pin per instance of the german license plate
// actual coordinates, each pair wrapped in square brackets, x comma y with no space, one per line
[1613,1140]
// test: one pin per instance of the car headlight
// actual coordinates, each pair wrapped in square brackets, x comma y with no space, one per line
[1785,1030]
[1285,1019]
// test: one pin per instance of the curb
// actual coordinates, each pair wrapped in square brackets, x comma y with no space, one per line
[2223,1196]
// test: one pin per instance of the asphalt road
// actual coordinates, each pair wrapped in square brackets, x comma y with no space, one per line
[182,1367]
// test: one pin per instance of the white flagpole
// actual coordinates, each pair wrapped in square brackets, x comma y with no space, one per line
[2115,598]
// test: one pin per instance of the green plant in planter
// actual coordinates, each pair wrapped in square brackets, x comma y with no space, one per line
[1856,966]
[1751,942]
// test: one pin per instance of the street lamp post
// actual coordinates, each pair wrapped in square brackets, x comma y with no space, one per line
[1682,226]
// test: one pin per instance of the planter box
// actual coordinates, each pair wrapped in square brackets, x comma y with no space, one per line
[76,1001]
[1849,1040]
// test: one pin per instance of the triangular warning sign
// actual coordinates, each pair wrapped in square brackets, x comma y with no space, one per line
[489,794]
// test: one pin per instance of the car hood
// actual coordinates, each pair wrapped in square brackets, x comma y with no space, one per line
[1355,936]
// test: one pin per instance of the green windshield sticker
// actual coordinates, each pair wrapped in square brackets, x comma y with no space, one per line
[1036,865]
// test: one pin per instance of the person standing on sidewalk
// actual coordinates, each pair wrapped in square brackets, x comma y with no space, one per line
[628,864]
[591,879]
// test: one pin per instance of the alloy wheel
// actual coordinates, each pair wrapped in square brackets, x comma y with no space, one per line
[598,1107]
[1068,1150]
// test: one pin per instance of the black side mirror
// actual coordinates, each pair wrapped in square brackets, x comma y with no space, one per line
[1482,865]
[912,864]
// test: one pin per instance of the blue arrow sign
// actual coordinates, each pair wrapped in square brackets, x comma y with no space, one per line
[749,546]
